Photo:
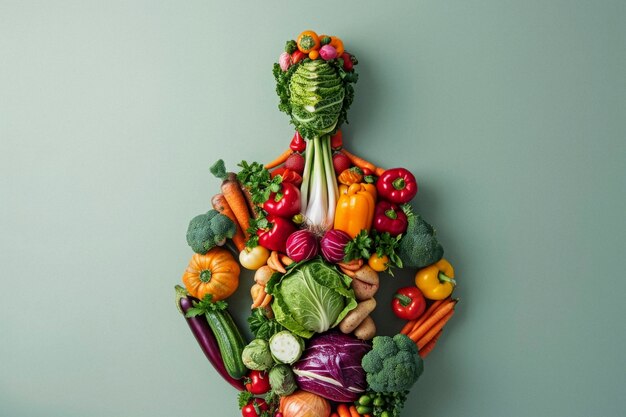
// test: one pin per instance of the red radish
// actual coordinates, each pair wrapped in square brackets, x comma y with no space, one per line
[347,61]
[295,162]
[302,245]
[333,244]
[328,52]
[341,162]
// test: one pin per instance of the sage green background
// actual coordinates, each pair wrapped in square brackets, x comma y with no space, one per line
[510,113]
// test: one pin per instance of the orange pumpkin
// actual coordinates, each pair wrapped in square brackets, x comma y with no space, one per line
[215,273]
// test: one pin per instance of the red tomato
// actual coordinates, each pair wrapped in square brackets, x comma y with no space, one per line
[259,382]
[250,409]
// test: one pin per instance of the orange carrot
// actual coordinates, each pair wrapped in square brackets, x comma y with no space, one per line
[434,330]
[408,327]
[353,412]
[417,334]
[233,195]
[279,160]
[334,415]
[237,202]
[279,265]
[359,162]
[343,410]
[353,265]
[348,272]
[220,204]
[428,347]
[379,171]
[433,307]
[286,260]
[260,296]
[266,301]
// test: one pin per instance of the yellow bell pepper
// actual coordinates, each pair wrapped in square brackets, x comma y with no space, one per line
[436,281]
[355,208]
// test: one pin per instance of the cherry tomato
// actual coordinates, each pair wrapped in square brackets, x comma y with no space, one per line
[259,382]
[254,408]
[378,263]
[253,258]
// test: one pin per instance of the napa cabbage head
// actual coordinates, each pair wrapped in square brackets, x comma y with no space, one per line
[311,297]
[316,97]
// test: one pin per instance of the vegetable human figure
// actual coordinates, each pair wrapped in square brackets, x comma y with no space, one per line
[315,89]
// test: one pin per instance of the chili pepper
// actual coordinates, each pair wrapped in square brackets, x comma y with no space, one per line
[389,217]
[355,208]
[298,144]
[397,185]
[285,203]
[436,281]
[408,303]
[275,237]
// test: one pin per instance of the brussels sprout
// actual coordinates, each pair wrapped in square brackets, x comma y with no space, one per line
[257,355]
[282,380]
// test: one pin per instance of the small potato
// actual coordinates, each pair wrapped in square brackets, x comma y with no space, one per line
[366,274]
[366,330]
[356,316]
[363,290]
[263,274]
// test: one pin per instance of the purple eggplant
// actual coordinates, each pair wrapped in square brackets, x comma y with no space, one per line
[205,337]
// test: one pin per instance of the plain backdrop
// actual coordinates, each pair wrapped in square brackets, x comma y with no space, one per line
[510,114]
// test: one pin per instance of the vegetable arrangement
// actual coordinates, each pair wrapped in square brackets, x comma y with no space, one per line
[317,225]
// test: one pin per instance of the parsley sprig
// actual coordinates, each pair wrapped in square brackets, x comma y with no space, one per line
[258,181]
[206,305]
[359,247]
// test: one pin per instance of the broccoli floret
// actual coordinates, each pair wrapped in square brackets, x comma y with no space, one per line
[393,364]
[419,246]
[209,230]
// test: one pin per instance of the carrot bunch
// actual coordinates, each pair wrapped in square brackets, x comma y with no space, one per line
[426,330]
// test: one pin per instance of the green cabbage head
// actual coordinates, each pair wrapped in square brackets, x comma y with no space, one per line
[316,97]
[311,297]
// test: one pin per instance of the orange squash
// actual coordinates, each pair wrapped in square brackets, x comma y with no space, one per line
[215,273]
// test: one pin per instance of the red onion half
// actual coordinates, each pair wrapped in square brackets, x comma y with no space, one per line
[333,244]
[302,245]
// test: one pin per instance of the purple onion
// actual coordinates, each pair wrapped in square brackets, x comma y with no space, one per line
[302,245]
[333,244]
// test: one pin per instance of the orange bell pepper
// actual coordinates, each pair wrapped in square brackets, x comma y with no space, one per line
[355,208]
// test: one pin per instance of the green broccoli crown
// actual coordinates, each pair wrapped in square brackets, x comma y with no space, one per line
[419,247]
[208,230]
[393,364]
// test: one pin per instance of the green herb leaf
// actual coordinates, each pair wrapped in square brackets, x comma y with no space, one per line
[359,247]
[244,398]
[206,305]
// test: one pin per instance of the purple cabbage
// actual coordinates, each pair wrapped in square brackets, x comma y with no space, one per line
[331,367]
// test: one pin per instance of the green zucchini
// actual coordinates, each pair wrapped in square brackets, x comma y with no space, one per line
[229,340]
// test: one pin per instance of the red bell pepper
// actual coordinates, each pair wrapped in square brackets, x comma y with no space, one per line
[285,203]
[408,303]
[298,144]
[397,185]
[275,237]
[288,175]
[389,217]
